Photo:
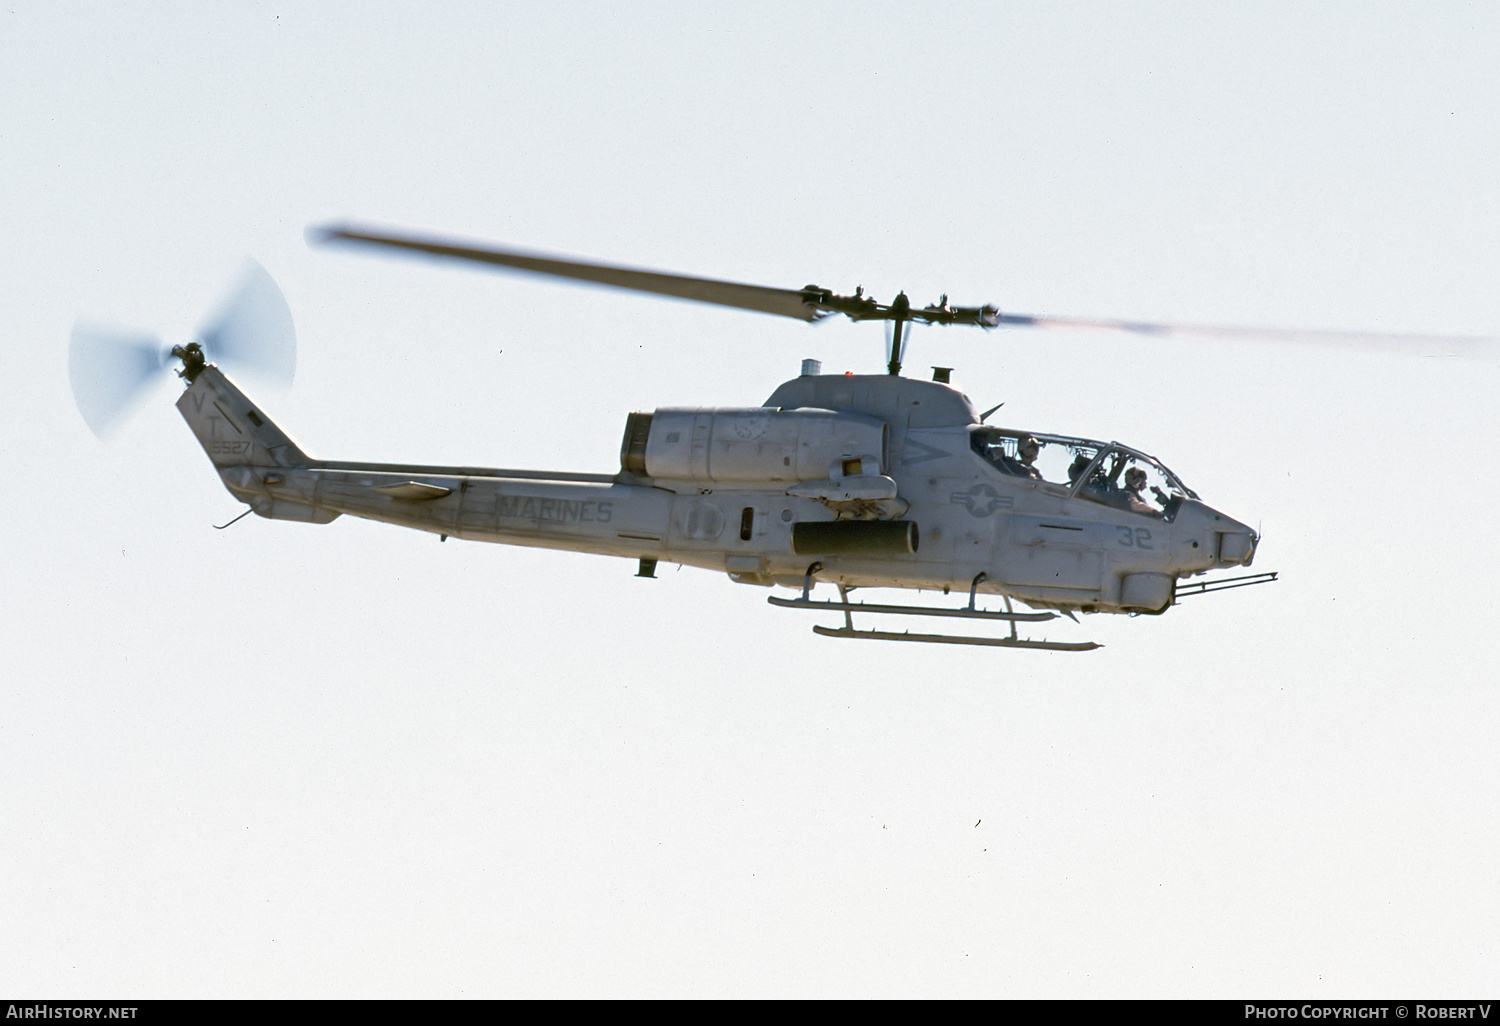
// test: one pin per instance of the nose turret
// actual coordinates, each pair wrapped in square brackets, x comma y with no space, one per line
[1236,545]
[1212,540]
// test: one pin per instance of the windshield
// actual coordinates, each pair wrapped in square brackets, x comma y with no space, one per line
[1039,457]
[1103,472]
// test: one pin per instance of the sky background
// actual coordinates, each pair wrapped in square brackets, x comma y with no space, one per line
[348,761]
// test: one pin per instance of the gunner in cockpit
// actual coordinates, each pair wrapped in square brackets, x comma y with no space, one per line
[1135,481]
[1080,464]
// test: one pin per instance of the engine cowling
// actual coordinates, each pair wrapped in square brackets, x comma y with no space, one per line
[752,446]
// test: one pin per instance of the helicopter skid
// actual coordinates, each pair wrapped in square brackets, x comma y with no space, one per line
[957,639]
[969,612]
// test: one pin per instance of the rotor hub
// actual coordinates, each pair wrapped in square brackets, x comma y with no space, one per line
[193,360]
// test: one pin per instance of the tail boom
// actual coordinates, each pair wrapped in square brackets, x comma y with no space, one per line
[265,469]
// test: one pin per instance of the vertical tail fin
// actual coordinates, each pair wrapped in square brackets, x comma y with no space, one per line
[255,459]
[230,428]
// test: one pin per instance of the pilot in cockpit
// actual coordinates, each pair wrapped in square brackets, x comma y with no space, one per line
[1028,449]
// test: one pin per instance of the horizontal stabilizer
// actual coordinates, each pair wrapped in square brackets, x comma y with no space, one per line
[414,491]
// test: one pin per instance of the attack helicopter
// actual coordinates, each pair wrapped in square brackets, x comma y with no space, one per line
[856,480]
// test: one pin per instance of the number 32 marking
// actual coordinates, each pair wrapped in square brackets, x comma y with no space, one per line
[1137,537]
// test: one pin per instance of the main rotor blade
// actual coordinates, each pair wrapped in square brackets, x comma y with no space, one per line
[782,302]
[1395,342]
[812,303]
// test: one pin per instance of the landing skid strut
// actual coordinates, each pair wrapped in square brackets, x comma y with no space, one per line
[970,611]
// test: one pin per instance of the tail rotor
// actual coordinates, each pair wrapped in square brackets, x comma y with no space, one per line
[253,330]
[111,369]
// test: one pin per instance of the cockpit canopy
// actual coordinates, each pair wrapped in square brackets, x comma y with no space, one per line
[1104,472]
